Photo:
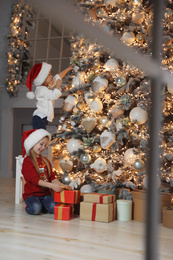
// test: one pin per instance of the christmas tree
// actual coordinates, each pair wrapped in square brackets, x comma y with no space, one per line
[102,138]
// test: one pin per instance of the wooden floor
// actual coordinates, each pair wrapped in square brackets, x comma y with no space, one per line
[41,237]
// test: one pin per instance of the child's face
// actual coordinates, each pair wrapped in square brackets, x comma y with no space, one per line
[49,79]
[41,146]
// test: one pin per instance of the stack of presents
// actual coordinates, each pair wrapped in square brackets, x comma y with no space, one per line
[93,206]
[106,207]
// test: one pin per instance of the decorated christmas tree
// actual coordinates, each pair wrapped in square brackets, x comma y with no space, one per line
[102,137]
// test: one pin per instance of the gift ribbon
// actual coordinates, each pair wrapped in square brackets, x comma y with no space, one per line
[94,212]
[62,196]
[101,197]
[60,209]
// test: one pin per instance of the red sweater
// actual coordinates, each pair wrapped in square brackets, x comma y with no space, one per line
[32,178]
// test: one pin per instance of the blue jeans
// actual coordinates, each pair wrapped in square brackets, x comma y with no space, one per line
[36,205]
[38,122]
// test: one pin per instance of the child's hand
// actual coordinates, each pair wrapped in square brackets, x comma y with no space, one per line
[56,187]
[71,67]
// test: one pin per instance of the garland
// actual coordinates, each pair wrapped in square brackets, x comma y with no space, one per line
[18,53]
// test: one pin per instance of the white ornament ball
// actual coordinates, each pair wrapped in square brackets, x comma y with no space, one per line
[111,65]
[73,145]
[99,84]
[116,174]
[99,165]
[145,182]
[87,188]
[107,139]
[78,80]
[69,103]
[129,156]
[138,115]
[66,163]
[128,38]
[96,106]
[170,88]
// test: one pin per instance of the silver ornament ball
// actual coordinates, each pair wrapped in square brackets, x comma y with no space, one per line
[104,120]
[139,165]
[120,81]
[66,179]
[85,158]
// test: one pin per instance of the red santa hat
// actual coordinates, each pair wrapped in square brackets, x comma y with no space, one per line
[37,76]
[32,137]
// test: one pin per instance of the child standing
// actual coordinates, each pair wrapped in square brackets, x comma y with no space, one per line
[47,91]
[38,174]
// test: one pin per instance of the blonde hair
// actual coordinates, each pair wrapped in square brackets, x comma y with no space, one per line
[33,158]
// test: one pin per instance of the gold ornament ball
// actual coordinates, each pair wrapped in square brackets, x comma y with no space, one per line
[128,38]
[137,17]
[97,148]
[140,38]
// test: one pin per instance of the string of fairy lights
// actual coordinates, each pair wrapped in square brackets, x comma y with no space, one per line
[18,50]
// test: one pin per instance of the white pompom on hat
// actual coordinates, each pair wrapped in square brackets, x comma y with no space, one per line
[37,76]
[32,137]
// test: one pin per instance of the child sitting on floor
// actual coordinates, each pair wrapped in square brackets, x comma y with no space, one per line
[38,174]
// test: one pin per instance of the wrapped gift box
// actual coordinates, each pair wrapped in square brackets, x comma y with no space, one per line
[110,192]
[97,212]
[63,212]
[99,198]
[139,204]
[67,196]
[168,216]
